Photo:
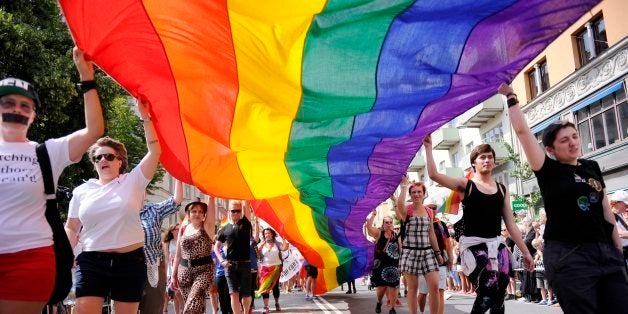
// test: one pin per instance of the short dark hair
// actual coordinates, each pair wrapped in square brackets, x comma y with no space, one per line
[116,145]
[480,149]
[549,135]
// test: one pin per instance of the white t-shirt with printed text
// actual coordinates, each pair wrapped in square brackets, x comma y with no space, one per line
[110,213]
[23,222]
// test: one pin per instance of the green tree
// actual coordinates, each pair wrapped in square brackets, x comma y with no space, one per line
[35,45]
[124,125]
[523,172]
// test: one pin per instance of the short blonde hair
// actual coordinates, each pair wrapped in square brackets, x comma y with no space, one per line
[235,204]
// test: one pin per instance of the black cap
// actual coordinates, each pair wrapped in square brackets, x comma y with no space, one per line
[11,85]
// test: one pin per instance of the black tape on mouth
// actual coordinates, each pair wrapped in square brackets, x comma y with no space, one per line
[14,118]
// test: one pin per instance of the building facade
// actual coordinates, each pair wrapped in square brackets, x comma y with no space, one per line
[580,77]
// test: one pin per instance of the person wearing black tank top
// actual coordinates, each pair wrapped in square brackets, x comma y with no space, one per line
[583,256]
[485,258]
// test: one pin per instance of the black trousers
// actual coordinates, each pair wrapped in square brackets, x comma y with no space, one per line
[587,277]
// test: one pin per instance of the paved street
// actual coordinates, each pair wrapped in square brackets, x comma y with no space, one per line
[363,302]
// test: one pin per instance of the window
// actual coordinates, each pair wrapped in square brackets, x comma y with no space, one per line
[495,134]
[544,76]
[455,159]
[538,79]
[441,166]
[539,139]
[187,192]
[603,122]
[591,41]
[502,178]
[469,147]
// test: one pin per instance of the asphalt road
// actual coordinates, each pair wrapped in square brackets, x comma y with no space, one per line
[363,302]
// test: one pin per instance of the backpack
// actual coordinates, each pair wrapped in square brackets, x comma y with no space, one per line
[64,256]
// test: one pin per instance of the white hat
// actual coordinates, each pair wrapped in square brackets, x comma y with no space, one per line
[620,196]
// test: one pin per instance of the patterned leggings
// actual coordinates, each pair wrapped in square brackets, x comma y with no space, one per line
[490,283]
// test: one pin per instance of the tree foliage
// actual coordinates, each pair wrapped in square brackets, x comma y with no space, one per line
[35,45]
[523,172]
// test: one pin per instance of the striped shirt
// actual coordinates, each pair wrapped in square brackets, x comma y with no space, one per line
[152,215]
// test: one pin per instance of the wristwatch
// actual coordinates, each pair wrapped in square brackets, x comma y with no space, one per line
[85,86]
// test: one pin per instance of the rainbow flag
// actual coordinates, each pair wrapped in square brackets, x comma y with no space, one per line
[452,202]
[316,107]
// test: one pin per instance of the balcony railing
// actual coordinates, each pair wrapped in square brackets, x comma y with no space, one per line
[480,114]
[445,138]
[418,163]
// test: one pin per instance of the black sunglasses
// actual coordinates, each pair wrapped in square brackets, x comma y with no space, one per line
[108,157]
[235,211]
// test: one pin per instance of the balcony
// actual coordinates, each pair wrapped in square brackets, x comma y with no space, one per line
[480,114]
[445,138]
[417,164]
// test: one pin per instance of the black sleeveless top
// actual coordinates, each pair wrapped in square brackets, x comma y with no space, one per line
[482,212]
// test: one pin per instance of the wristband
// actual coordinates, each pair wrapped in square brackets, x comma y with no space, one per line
[85,86]
[512,101]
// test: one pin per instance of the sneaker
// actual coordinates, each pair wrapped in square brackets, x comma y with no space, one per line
[550,302]
[266,310]
[348,291]
[308,297]
[378,307]
[542,302]
[392,311]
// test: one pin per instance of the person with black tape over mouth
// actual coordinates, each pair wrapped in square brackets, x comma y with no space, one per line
[27,254]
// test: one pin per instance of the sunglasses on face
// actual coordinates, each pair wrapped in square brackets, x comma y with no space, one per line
[235,211]
[108,157]
[10,104]
[387,222]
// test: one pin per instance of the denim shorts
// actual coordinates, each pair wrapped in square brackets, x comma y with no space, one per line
[239,277]
[121,276]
